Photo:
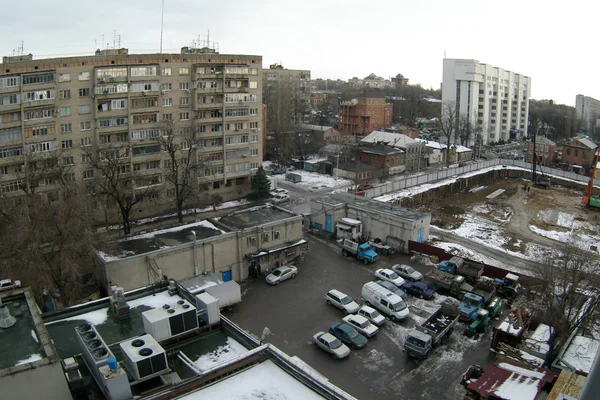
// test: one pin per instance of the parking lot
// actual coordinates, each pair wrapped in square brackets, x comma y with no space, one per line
[296,309]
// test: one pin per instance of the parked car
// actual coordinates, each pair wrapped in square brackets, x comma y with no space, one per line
[278,171]
[348,335]
[7,284]
[281,198]
[418,289]
[361,324]
[385,301]
[331,344]
[281,274]
[275,192]
[390,276]
[407,272]
[392,288]
[372,315]
[341,301]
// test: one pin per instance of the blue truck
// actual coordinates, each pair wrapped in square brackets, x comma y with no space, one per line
[472,271]
[363,252]
[479,297]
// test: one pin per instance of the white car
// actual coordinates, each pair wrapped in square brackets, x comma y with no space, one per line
[281,274]
[361,324]
[281,198]
[331,344]
[275,192]
[372,315]
[341,301]
[390,276]
[407,272]
[7,284]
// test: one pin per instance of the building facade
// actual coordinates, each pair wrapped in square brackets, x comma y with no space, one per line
[545,150]
[493,99]
[116,105]
[588,111]
[286,93]
[579,151]
[389,160]
[365,114]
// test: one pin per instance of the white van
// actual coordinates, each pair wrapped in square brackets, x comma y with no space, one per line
[385,301]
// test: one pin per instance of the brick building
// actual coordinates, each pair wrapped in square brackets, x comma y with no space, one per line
[579,151]
[365,114]
[388,159]
[545,150]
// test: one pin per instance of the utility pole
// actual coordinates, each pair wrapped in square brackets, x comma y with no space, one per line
[162,19]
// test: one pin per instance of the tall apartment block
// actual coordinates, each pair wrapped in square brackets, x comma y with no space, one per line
[492,98]
[588,111]
[294,83]
[365,114]
[115,99]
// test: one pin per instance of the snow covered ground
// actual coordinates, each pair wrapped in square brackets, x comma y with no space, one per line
[314,181]
[264,381]
[31,358]
[221,355]
[581,234]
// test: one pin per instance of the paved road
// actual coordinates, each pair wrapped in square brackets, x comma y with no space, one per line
[296,309]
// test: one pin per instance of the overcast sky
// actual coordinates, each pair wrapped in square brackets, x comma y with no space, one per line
[553,42]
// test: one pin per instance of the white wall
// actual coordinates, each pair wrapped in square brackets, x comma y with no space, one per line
[44,382]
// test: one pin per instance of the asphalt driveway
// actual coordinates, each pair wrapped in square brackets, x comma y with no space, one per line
[296,309]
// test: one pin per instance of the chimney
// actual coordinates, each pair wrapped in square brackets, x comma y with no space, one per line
[6,320]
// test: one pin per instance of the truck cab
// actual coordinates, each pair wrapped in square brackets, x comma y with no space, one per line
[418,344]
[366,253]
[448,266]
[469,306]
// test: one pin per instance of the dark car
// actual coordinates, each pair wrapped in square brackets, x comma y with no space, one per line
[392,288]
[418,289]
[348,335]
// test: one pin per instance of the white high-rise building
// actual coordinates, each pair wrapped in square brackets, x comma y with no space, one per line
[493,99]
[588,111]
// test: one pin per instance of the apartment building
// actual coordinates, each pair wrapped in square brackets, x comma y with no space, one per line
[365,114]
[494,99]
[545,150]
[115,104]
[286,92]
[588,111]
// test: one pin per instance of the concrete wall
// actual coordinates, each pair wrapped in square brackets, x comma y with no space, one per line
[216,254]
[43,382]
[319,212]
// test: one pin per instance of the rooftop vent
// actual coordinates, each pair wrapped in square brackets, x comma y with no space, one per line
[6,320]
[138,343]
[84,328]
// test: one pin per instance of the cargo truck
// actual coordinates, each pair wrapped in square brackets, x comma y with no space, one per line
[363,252]
[435,330]
[459,266]
[479,297]
[453,285]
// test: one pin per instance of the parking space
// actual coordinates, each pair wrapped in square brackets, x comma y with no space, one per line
[296,309]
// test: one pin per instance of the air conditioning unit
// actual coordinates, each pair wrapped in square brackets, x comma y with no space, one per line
[163,92]
[144,357]
[94,350]
[170,320]
[145,92]
[254,129]
[187,90]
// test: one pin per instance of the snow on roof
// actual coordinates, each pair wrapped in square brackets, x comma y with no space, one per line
[587,142]
[431,143]
[351,221]
[147,235]
[542,333]
[509,327]
[230,350]
[316,127]
[315,160]
[265,380]
[389,138]
[462,149]
[581,353]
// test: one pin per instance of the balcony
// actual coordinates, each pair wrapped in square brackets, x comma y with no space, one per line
[10,89]
[10,107]
[145,93]
[237,90]
[38,103]
[209,90]
[112,129]
[237,76]
[111,79]
[208,106]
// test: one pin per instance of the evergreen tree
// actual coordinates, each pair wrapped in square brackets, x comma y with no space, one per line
[260,185]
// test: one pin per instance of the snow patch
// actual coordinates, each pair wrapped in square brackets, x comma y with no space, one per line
[581,353]
[31,358]
[34,336]
[221,355]
[204,223]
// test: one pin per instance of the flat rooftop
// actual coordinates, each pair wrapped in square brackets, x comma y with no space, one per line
[378,206]
[112,330]
[254,216]
[154,240]
[21,343]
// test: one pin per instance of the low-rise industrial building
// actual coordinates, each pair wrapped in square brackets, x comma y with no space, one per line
[232,247]
[393,225]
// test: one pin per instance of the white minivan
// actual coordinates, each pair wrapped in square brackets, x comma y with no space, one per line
[386,302]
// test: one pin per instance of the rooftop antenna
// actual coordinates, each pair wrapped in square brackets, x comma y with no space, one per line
[114,38]
[162,19]
[119,40]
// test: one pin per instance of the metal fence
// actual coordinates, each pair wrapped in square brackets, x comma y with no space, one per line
[417,180]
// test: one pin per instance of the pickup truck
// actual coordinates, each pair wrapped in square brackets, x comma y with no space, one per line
[459,266]
[479,297]
[435,330]
[7,284]
[363,252]
[440,281]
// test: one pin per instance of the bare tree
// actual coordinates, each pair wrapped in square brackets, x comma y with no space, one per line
[110,177]
[41,169]
[446,125]
[411,106]
[568,298]
[182,165]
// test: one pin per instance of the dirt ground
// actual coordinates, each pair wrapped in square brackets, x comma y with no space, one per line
[513,211]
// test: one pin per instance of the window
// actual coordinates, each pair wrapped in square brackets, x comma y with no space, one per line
[67,144]
[166,86]
[253,71]
[167,117]
[253,138]
[64,94]
[236,112]
[153,164]
[65,77]
[65,128]
[167,102]
[253,152]
[184,101]
[166,72]
[254,111]
[84,92]
[41,147]
[143,71]
[86,158]
[86,142]
[84,109]
[251,242]
[184,71]
[47,77]
[88,174]
[184,116]
[110,73]
[276,235]
[84,76]
[184,86]
[70,177]
[85,126]
[253,85]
